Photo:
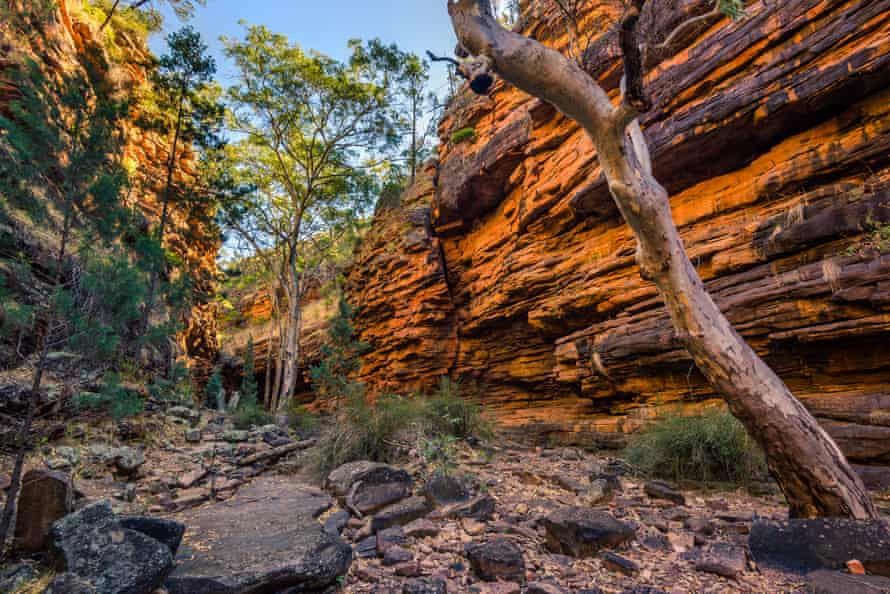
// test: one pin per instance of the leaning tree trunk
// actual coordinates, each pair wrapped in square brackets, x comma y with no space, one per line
[292,343]
[810,469]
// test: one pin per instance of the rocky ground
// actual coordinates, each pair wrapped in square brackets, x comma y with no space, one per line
[509,519]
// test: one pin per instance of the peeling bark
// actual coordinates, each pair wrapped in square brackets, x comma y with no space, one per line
[809,467]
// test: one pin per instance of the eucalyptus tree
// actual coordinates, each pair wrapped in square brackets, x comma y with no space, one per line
[811,470]
[314,132]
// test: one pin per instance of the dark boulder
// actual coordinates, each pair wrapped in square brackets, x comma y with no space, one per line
[400,513]
[582,532]
[94,546]
[442,489]
[168,532]
[498,559]
[662,490]
[802,546]
[341,480]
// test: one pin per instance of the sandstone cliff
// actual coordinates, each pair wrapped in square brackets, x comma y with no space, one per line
[510,264]
[63,39]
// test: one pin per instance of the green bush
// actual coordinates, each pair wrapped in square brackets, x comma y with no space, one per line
[463,135]
[301,419]
[450,412]
[709,447]
[116,400]
[250,413]
[364,431]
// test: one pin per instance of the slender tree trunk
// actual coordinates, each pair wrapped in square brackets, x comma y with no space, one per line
[811,470]
[7,521]
[292,342]
[165,214]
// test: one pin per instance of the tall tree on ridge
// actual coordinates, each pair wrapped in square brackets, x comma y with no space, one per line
[183,85]
[310,127]
[810,468]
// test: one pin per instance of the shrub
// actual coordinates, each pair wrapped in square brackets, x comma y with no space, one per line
[439,453]
[364,431]
[463,135]
[301,419]
[449,412]
[116,400]
[710,447]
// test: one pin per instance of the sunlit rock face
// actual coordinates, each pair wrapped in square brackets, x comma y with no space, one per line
[65,42]
[511,265]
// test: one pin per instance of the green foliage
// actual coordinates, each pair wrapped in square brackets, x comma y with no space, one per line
[249,414]
[365,431]
[463,135]
[339,359]
[439,453]
[116,400]
[301,420]
[710,447]
[213,392]
[734,9]
[248,374]
[176,388]
[449,412]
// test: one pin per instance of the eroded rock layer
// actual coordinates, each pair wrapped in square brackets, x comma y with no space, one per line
[60,39]
[772,134]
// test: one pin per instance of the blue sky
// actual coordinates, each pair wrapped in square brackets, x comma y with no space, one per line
[415,25]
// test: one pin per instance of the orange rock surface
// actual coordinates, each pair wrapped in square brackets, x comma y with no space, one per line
[510,264]
[67,42]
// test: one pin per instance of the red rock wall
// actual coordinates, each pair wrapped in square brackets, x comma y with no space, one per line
[772,134]
[66,42]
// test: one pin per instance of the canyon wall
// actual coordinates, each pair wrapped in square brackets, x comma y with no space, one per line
[509,264]
[61,38]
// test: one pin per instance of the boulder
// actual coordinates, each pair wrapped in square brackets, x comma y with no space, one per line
[342,480]
[396,555]
[128,460]
[601,491]
[802,546]
[582,532]
[619,564]
[835,582]
[479,508]
[183,412]
[336,522]
[390,537]
[93,545]
[167,532]
[266,538]
[543,588]
[366,498]
[400,513]
[724,560]
[498,559]
[442,489]
[421,528]
[45,497]
[662,490]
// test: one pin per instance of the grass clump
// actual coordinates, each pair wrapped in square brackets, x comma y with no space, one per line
[384,431]
[463,135]
[709,447]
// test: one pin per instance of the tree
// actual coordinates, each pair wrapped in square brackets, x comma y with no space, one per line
[57,160]
[184,9]
[183,86]
[416,102]
[333,376]
[310,127]
[811,470]
[214,393]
